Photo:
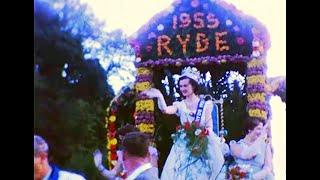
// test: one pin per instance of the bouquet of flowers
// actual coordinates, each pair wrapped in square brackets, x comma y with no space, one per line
[196,137]
[239,172]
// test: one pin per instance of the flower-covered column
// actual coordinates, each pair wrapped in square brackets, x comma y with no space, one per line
[144,111]
[256,83]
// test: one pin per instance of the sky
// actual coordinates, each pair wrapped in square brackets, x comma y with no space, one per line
[130,15]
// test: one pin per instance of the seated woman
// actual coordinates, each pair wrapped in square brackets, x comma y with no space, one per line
[118,169]
[254,150]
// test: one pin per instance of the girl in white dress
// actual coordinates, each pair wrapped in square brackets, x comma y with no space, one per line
[179,164]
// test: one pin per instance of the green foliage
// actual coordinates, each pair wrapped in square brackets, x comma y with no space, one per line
[69,110]
[235,113]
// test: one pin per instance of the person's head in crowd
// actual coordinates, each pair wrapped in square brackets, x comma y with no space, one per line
[136,145]
[41,163]
[126,129]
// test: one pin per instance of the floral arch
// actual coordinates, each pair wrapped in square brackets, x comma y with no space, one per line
[209,34]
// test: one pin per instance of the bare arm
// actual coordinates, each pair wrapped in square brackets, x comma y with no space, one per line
[208,115]
[242,152]
[267,167]
[97,156]
[155,93]
[249,152]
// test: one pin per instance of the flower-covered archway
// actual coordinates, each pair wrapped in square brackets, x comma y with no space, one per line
[208,34]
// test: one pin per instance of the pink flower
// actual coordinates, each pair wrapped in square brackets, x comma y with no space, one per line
[240,40]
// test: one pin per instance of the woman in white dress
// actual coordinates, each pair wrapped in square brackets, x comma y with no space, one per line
[179,164]
[254,150]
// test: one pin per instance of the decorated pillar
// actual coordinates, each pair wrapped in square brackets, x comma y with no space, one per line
[144,106]
[258,99]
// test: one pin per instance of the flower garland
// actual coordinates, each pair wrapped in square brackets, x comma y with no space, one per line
[111,135]
[110,120]
[144,107]
[192,61]
[256,82]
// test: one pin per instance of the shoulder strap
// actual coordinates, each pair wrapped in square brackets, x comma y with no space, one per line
[199,110]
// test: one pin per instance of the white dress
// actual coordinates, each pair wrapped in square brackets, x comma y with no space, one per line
[180,166]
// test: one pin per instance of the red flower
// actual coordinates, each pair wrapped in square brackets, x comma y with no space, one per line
[113,147]
[242,174]
[114,156]
[113,111]
[112,127]
[204,132]
[187,125]
[111,134]
[178,128]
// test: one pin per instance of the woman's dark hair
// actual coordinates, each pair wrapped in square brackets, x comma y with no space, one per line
[194,84]
[127,129]
[252,123]
[136,144]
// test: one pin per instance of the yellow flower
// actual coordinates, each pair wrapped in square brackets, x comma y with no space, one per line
[258,113]
[252,97]
[113,141]
[112,118]
[146,128]
[255,79]
[143,71]
[256,63]
[145,105]
[143,86]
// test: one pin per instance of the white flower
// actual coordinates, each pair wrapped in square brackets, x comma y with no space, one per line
[255,43]
[236,28]
[183,135]
[197,132]
[255,53]
[138,59]
[173,135]
[151,35]
[160,27]
[228,22]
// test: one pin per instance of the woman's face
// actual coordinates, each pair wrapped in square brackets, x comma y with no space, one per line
[256,132]
[39,171]
[185,87]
